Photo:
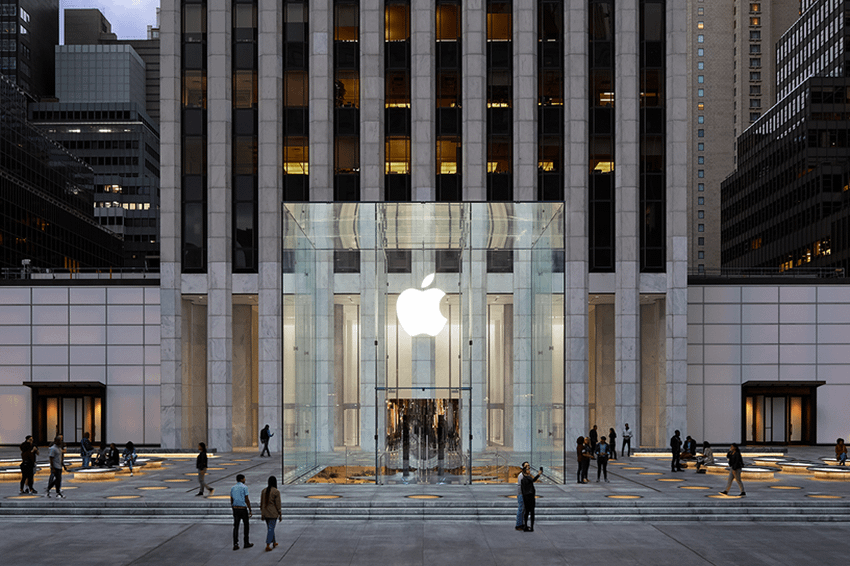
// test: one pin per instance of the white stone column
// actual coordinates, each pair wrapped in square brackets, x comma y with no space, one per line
[525,101]
[474,81]
[373,324]
[627,240]
[677,216]
[372,101]
[219,267]
[522,348]
[171,398]
[270,284]
[576,241]
[422,102]
[474,311]
[321,77]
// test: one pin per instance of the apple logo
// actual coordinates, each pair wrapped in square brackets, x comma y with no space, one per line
[419,311]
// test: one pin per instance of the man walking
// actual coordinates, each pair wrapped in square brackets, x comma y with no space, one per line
[676,447]
[241,510]
[266,435]
[627,441]
[56,454]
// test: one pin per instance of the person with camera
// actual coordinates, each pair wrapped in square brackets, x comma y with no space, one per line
[529,497]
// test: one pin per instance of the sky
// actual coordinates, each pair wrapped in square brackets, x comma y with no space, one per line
[129,18]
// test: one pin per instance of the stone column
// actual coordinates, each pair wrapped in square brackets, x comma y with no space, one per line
[270,283]
[372,101]
[219,267]
[677,217]
[525,101]
[321,77]
[171,399]
[422,88]
[627,240]
[474,81]
[576,241]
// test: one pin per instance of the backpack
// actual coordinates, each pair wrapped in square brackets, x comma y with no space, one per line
[264,435]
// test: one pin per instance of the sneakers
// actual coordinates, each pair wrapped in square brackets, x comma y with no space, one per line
[249,544]
[742,494]
[519,528]
[235,547]
[33,491]
[131,474]
[724,493]
[60,496]
[47,494]
[199,494]
[212,490]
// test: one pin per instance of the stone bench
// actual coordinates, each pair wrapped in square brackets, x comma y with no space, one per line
[770,460]
[797,466]
[829,461]
[95,474]
[752,473]
[840,473]
[10,474]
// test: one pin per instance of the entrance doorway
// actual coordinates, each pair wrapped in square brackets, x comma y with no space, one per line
[423,441]
[69,409]
[780,413]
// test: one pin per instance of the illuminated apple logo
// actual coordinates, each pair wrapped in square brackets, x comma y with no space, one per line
[419,311]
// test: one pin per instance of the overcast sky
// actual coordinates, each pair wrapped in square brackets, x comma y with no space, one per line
[129,18]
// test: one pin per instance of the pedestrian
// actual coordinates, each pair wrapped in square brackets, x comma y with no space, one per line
[689,448]
[266,435]
[587,456]
[56,455]
[86,450]
[129,456]
[841,452]
[270,510]
[529,498]
[603,452]
[579,458]
[29,452]
[112,456]
[707,457]
[201,465]
[676,448]
[241,505]
[736,464]
[594,438]
[519,508]
[612,443]
[627,441]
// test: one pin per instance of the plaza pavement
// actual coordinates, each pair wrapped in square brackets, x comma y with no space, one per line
[779,522]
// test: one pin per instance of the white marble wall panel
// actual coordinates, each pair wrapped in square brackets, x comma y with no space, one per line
[321,88]
[759,294]
[372,101]
[474,89]
[525,101]
[422,88]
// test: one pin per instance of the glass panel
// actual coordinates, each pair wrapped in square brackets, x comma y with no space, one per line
[778,422]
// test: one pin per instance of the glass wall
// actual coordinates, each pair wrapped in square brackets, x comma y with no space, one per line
[423,342]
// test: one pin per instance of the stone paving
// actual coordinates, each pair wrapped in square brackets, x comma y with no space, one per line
[400,537]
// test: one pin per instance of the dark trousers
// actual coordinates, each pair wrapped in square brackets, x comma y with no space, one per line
[613,450]
[627,451]
[601,468]
[675,465]
[585,467]
[240,514]
[579,469]
[528,511]
[266,449]
[55,479]
[27,473]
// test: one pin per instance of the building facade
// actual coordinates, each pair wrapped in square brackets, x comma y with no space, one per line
[785,205]
[732,64]
[308,152]
[29,30]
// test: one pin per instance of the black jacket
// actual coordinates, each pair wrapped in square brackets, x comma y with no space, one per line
[675,443]
[201,462]
[736,461]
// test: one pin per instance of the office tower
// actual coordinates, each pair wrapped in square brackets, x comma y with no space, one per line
[46,216]
[784,207]
[318,162]
[29,30]
[731,70]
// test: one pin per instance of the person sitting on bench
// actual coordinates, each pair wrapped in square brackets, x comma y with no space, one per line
[706,459]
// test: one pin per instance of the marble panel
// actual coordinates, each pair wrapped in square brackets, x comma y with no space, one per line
[90,314]
[15,335]
[125,295]
[50,315]
[722,374]
[759,314]
[722,333]
[833,354]
[833,294]
[131,355]
[797,313]
[50,373]
[50,295]
[760,354]
[798,354]
[87,295]
[797,333]
[833,334]
[833,313]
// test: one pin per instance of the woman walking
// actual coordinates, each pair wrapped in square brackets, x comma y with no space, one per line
[612,443]
[270,510]
[736,464]
[201,465]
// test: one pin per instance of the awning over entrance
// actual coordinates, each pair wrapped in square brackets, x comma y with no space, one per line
[783,383]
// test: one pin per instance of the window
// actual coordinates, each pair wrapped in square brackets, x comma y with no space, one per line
[700,25]
[701,187]
[756,76]
[700,11]
[755,35]
[755,7]
[701,268]
[700,92]
[700,160]
[700,79]
[700,214]
[755,103]
[754,116]
[701,173]
[701,228]
[700,147]
[700,119]
[755,90]
[755,21]
[701,241]
[755,62]
[700,38]
[701,133]
[701,52]
[700,255]
[755,48]
[701,65]
[700,106]
[701,200]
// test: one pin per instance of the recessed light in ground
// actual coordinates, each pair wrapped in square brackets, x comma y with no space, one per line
[123,496]
[152,487]
[634,468]
[819,496]
[694,487]
[175,481]
[328,496]
[784,487]
[650,474]
[669,479]
[23,497]
[624,496]
[218,497]
[721,496]
[423,496]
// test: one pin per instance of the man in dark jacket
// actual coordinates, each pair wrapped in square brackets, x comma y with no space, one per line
[528,497]
[676,447]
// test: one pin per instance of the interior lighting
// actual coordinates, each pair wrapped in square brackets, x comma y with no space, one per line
[325,496]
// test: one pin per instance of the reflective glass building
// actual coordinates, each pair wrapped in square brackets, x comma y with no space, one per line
[524,165]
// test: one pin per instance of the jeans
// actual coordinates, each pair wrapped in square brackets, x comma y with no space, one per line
[528,511]
[27,473]
[736,475]
[843,458]
[675,465]
[240,514]
[585,467]
[519,510]
[602,468]
[86,454]
[627,451]
[128,461]
[55,479]
[265,449]
[270,535]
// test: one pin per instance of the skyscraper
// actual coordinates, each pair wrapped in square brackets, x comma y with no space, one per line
[29,30]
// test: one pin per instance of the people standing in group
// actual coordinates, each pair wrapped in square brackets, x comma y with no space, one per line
[587,456]
[270,510]
[519,508]
[29,453]
[841,452]
[241,506]
[86,449]
[56,455]
[266,435]
[707,457]
[736,464]
[627,441]
[676,448]
[201,466]
[129,456]
[529,497]
[603,452]
[594,438]
[612,443]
